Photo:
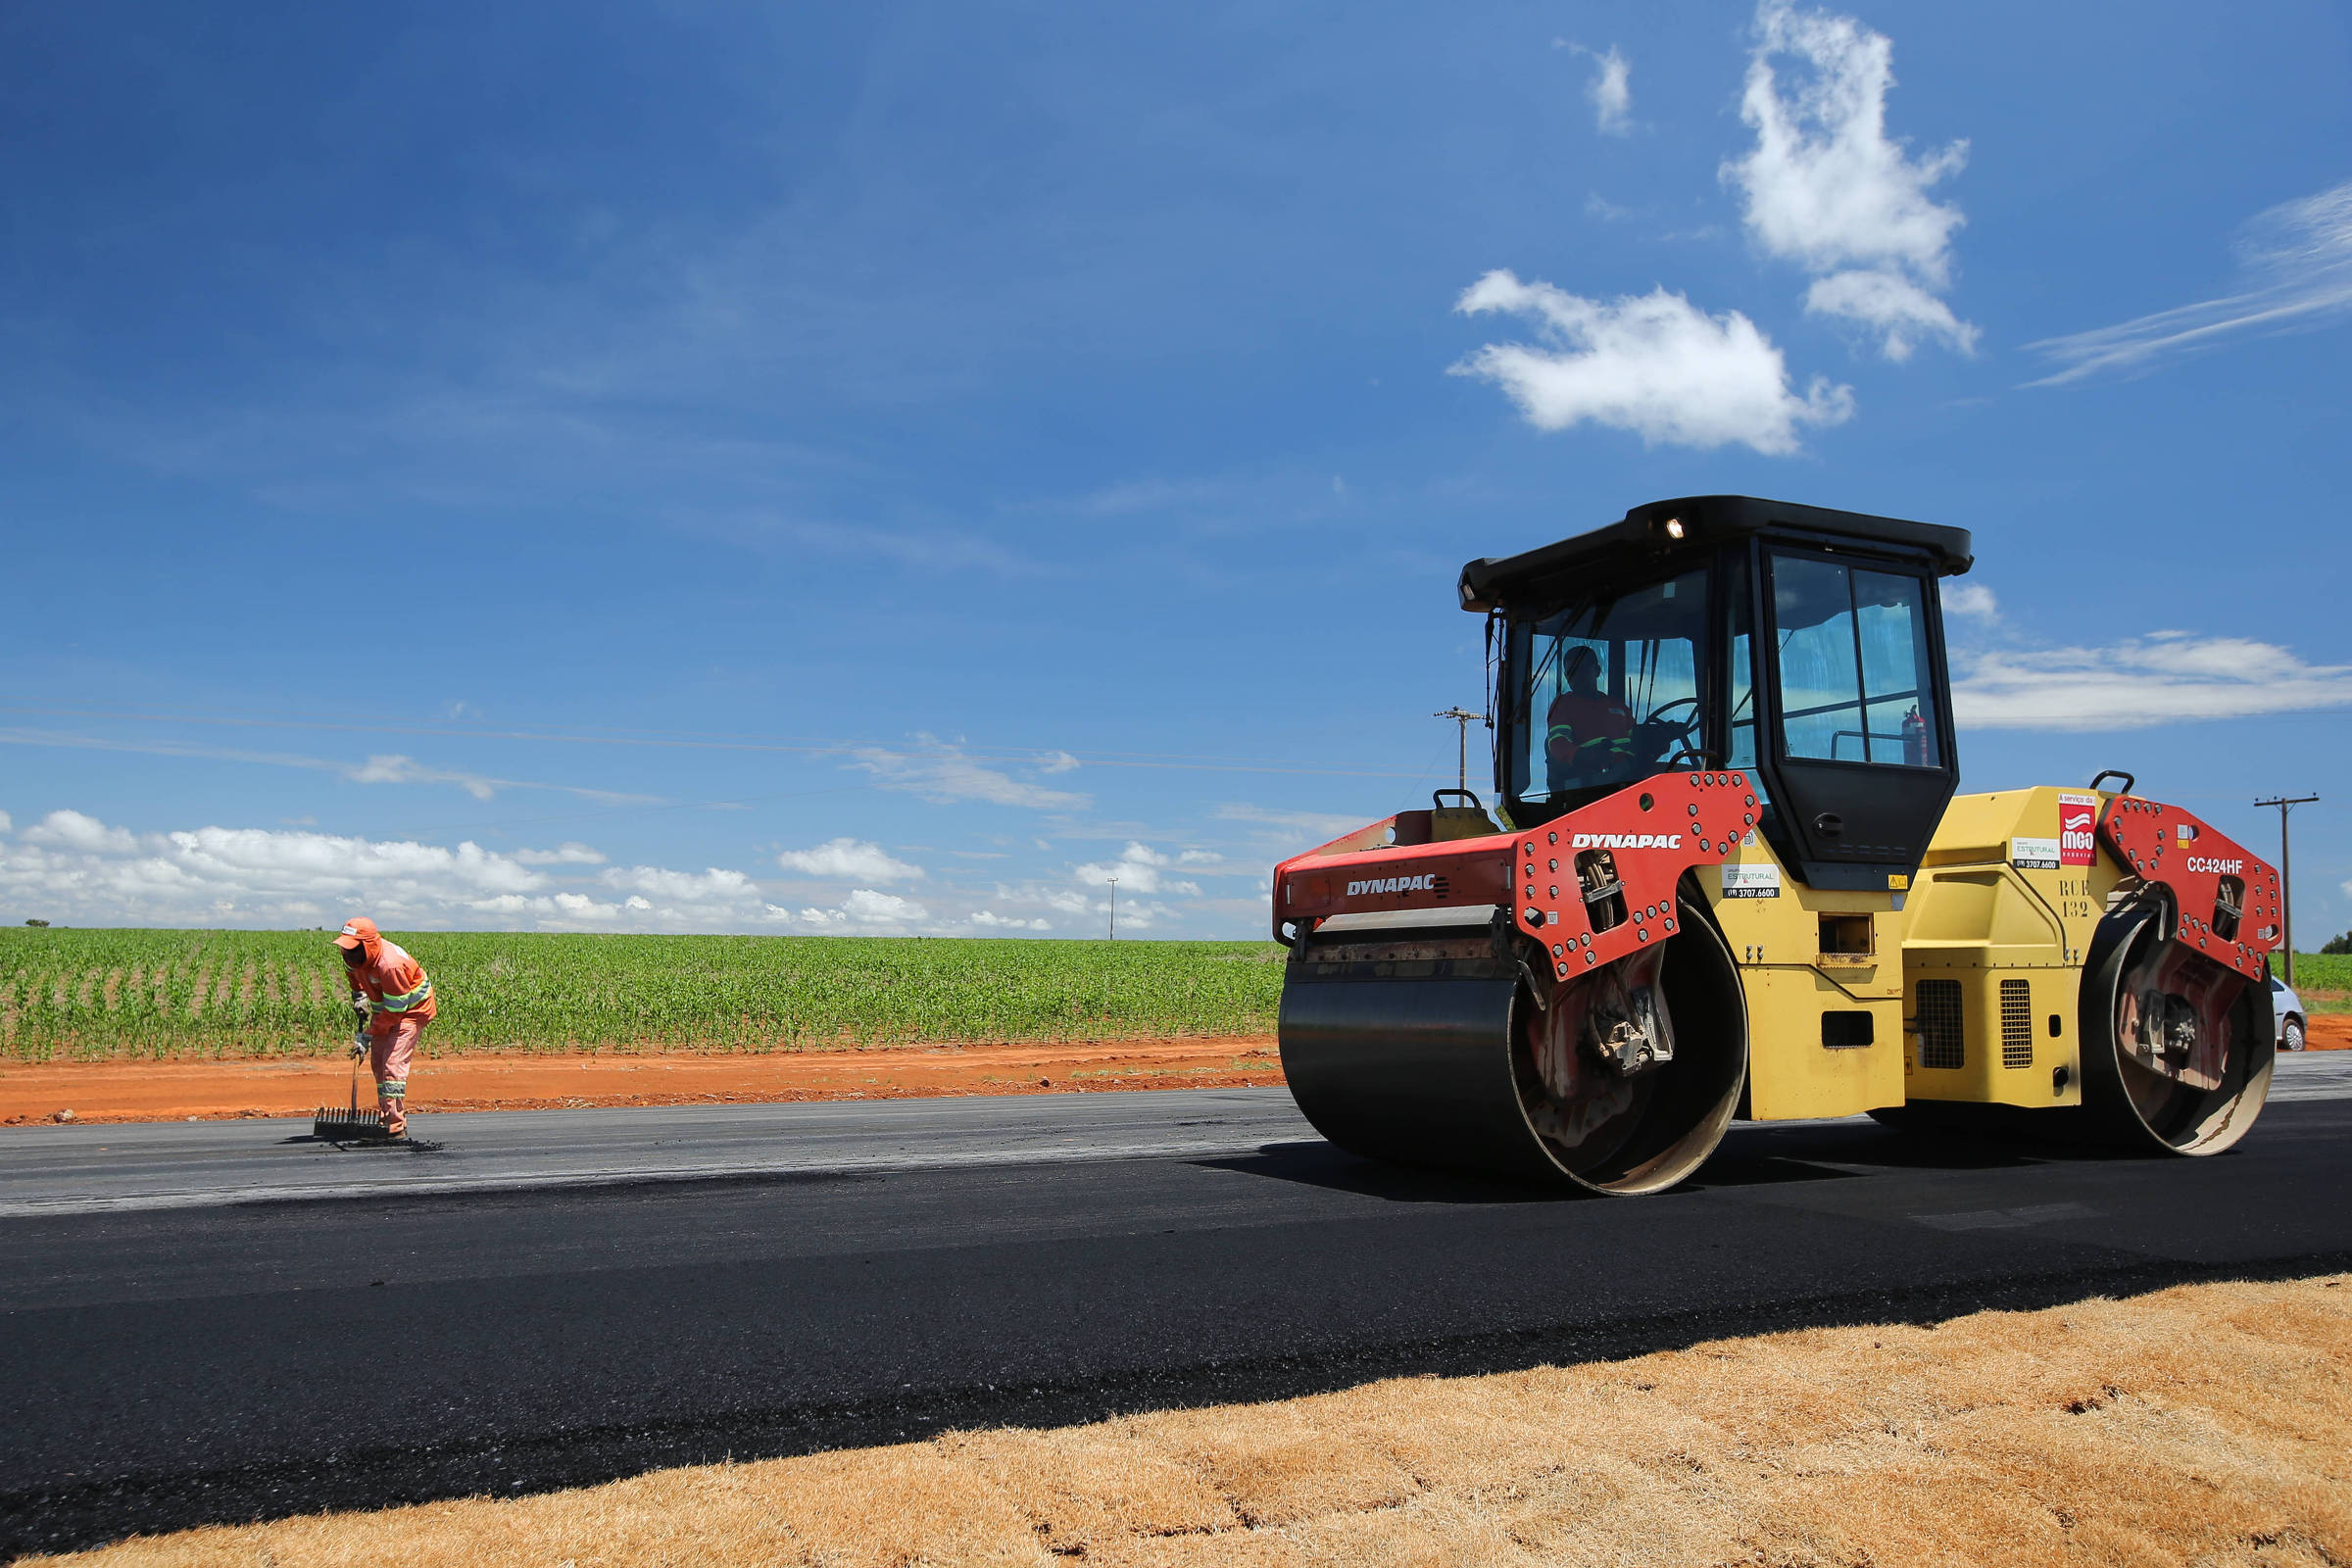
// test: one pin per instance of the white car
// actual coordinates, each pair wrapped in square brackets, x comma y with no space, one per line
[2289,1009]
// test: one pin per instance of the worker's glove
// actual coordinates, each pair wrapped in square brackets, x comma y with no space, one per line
[360,1009]
[359,1043]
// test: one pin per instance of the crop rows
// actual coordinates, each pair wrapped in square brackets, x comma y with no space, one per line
[137,992]
[2323,980]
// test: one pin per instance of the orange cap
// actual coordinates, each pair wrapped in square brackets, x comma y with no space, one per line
[358,931]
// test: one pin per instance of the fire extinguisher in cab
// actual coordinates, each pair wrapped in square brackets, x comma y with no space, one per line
[1915,738]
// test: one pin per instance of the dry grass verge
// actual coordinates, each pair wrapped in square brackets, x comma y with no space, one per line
[2204,1424]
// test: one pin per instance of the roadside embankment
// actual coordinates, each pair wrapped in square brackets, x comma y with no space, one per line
[2207,1423]
[119,1091]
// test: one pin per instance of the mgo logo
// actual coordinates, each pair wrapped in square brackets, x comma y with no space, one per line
[2199,863]
[1625,841]
[1429,883]
[2077,819]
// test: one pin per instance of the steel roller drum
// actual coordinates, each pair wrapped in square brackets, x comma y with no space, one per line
[1409,1043]
[2128,1104]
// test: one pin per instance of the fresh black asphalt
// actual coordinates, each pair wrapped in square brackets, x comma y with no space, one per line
[161,1366]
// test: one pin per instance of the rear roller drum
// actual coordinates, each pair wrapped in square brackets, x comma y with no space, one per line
[2176,1048]
[2177,1053]
[1435,1052]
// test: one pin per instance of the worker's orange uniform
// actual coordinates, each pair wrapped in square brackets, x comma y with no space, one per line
[1589,741]
[399,996]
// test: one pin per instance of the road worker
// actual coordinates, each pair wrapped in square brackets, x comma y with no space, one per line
[1589,734]
[394,1000]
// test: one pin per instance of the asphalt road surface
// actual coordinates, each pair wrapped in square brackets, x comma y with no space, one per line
[206,1322]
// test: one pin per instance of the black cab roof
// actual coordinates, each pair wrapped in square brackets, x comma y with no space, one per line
[1651,535]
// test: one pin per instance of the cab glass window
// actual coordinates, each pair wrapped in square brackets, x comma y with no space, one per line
[1854,673]
[1607,690]
[1744,671]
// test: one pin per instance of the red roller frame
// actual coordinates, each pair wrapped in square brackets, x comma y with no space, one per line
[2163,844]
[1655,831]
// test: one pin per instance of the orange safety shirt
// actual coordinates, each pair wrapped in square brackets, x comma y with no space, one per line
[392,982]
[1580,718]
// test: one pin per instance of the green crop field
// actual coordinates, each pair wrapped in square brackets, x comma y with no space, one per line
[2323,980]
[71,993]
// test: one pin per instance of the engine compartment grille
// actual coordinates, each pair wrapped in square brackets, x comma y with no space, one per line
[1942,1045]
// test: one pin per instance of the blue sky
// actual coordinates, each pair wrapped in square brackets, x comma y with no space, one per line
[729,467]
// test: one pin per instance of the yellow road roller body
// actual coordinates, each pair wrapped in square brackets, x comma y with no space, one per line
[1727,877]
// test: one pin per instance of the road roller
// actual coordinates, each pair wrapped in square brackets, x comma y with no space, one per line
[1725,876]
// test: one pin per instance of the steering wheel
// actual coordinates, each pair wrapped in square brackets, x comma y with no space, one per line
[1686,729]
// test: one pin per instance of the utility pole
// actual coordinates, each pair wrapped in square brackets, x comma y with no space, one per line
[1462,719]
[2286,886]
[1114,909]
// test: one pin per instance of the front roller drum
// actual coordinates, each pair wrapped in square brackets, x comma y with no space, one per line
[1451,1062]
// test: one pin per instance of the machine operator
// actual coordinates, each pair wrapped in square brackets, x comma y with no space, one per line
[1589,735]
[394,1000]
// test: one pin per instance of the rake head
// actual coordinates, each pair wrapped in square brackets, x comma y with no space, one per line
[352,1125]
[334,1125]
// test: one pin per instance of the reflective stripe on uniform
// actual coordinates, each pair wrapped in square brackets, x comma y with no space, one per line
[408,999]
[391,1086]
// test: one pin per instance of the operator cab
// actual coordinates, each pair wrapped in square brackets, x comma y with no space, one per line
[1802,644]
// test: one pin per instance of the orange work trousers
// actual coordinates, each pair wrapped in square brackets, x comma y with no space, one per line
[391,1044]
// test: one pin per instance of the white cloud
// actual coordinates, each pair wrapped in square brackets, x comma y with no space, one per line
[569,854]
[711,886]
[1826,187]
[1138,870]
[850,860]
[1200,857]
[941,773]
[6,822]
[1142,916]
[407,770]
[1972,599]
[1655,365]
[2298,254]
[93,873]
[74,831]
[577,907]
[1611,92]
[1894,306]
[73,867]
[1057,762]
[869,908]
[988,920]
[2163,677]
[867,912]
